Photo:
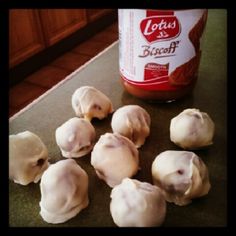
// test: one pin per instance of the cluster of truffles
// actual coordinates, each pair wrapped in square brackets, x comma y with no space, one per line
[178,176]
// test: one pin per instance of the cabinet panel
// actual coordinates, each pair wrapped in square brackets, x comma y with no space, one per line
[33,30]
[59,23]
[25,35]
[94,14]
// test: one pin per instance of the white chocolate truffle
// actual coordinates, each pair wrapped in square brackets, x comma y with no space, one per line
[182,175]
[28,158]
[192,129]
[137,204]
[88,102]
[75,137]
[64,191]
[133,122]
[114,157]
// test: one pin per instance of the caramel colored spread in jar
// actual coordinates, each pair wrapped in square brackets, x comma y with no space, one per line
[159,51]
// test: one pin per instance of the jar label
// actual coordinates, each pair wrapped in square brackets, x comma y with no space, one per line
[160,49]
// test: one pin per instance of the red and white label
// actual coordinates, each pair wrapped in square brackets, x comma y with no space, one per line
[160,27]
[156,43]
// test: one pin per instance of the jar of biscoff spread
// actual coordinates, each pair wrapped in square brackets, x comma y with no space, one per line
[159,51]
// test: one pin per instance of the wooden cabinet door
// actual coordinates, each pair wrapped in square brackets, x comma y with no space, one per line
[25,37]
[94,14]
[59,23]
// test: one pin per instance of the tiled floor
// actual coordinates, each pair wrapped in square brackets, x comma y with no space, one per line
[39,82]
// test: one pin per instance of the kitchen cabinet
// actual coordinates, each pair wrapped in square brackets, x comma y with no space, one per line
[60,23]
[25,35]
[94,14]
[35,30]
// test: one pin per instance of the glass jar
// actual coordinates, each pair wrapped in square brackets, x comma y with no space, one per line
[159,51]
